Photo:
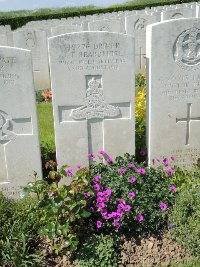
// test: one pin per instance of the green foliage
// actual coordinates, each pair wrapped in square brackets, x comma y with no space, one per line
[19,222]
[39,96]
[151,189]
[62,207]
[186,216]
[98,250]
[193,263]
[140,117]
[46,127]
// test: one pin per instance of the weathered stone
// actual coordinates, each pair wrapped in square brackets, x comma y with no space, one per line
[93,86]
[173,92]
[36,41]
[19,144]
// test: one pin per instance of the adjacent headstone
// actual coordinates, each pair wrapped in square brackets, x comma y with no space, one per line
[36,41]
[93,86]
[173,52]
[178,13]
[19,144]
[136,26]
[65,29]
[3,40]
[114,25]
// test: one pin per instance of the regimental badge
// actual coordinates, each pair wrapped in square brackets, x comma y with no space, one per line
[187,49]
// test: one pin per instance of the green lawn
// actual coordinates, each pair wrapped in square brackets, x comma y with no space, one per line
[45,121]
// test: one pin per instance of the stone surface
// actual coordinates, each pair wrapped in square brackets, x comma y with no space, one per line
[93,87]
[65,29]
[136,26]
[174,90]
[114,25]
[178,13]
[36,41]
[19,144]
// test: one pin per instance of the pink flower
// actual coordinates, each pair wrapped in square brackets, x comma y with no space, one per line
[113,214]
[131,194]
[127,207]
[96,187]
[142,152]
[172,188]
[132,180]
[106,199]
[117,223]
[97,178]
[122,171]
[121,201]
[100,205]
[173,158]
[100,199]
[163,206]
[120,213]
[107,192]
[91,156]
[140,218]
[170,171]
[108,216]
[87,195]
[99,224]
[120,206]
[69,172]
[109,160]
[78,166]
[131,166]
[165,162]
[141,171]
[103,212]
[102,152]
[91,209]
[100,194]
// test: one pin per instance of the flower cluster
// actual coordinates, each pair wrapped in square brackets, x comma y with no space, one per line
[116,193]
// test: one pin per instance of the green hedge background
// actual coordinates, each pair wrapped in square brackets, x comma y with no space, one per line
[19,18]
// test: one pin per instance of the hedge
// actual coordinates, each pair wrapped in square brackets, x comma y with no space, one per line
[19,21]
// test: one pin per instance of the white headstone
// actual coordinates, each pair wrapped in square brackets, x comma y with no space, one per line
[114,25]
[36,41]
[136,26]
[3,40]
[65,29]
[19,144]
[93,94]
[178,13]
[173,52]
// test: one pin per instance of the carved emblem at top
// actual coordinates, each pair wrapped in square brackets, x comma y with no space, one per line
[187,49]
[105,28]
[95,106]
[6,134]
[140,24]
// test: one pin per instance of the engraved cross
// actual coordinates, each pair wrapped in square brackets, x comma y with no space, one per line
[10,128]
[188,119]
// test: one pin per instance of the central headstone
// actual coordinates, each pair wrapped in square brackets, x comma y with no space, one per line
[93,94]
[174,91]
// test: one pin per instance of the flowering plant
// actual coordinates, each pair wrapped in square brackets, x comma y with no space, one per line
[140,115]
[128,197]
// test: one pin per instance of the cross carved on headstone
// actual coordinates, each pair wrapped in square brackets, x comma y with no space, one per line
[10,128]
[188,119]
[95,110]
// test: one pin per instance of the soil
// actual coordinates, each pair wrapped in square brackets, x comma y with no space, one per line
[147,252]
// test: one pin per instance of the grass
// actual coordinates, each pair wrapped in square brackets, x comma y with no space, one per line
[45,121]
